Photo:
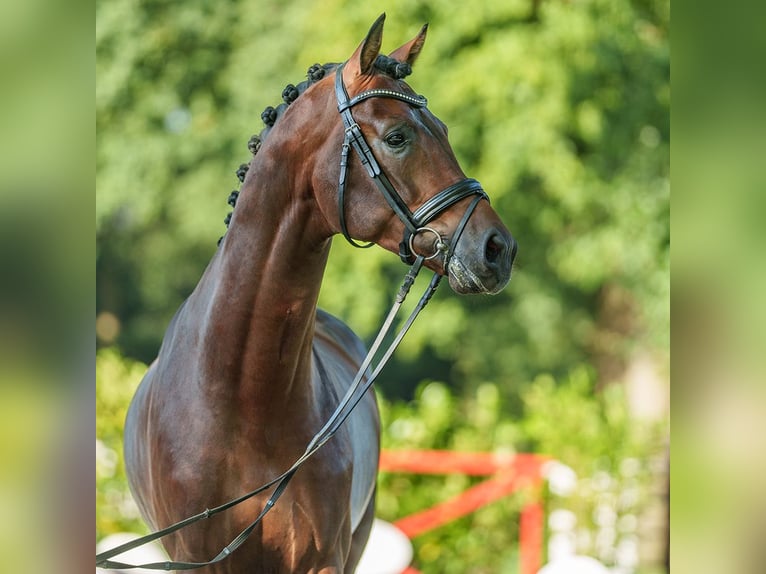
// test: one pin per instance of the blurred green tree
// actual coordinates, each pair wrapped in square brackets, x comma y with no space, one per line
[116,381]
[560,109]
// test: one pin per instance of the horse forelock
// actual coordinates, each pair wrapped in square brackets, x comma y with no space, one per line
[383,64]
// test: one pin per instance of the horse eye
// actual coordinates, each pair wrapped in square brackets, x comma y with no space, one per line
[396,139]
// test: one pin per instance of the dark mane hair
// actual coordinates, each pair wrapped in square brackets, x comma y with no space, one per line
[383,64]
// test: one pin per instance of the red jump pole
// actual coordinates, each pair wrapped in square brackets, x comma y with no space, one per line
[508,473]
[531,531]
[464,503]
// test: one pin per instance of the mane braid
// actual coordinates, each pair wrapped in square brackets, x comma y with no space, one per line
[391,67]
[384,64]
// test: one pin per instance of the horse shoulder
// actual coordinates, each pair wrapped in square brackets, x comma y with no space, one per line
[340,352]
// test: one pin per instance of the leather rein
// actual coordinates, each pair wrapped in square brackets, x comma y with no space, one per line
[414,223]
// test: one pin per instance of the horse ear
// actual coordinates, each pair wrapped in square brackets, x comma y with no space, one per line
[363,58]
[409,52]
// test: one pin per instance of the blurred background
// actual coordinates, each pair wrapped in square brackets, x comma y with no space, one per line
[560,109]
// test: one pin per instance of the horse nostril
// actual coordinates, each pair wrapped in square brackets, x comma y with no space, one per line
[494,248]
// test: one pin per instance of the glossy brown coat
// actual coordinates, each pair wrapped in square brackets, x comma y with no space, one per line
[249,369]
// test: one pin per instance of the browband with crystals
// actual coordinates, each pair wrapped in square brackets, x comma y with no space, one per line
[417,101]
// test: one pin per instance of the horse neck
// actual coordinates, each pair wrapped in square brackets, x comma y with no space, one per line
[264,284]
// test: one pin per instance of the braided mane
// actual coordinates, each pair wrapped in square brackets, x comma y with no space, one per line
[383,64]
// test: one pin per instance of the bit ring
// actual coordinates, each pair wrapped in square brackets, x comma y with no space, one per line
[440,246]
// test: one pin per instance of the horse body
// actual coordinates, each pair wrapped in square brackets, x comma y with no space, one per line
[198,453]
[249,370]
[259,376]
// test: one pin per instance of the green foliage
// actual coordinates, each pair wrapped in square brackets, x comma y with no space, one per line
[486,541]
[116,381]
[617,460]
[583,423]
[610,453]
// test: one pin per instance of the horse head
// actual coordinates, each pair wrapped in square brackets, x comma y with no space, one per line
[406,191]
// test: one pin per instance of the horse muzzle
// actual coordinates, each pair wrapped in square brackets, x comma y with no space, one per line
[482,266]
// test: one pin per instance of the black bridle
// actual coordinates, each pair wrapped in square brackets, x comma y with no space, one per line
[416,222]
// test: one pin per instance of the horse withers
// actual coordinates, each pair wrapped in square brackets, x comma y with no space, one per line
[249,369]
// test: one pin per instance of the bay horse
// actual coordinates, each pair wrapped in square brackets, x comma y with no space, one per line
[249,368]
